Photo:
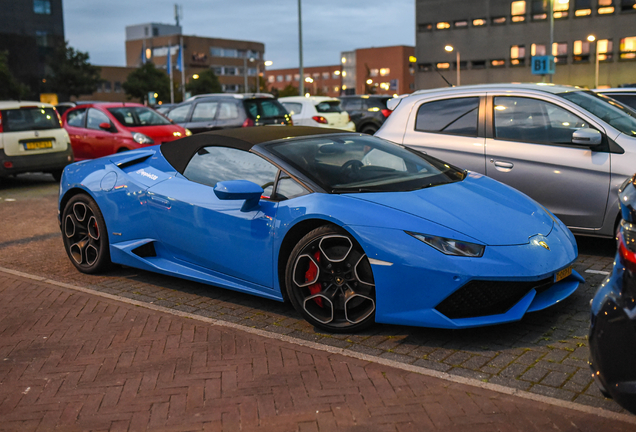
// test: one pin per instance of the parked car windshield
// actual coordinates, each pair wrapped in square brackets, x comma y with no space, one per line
[264,108]
[138,116]
[350,163]
[329,107]
[605,108]
[32,118]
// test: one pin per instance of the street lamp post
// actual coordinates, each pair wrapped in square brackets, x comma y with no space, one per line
[310,80]
[450,48]
[301,85]
[592,38]
[245,90]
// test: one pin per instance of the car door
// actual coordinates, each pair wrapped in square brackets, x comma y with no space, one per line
[203,116]
[76,128]
[99,142]
[451,129]
[295,110]
[180,114]
[229,114]
[529,147]
[199,228]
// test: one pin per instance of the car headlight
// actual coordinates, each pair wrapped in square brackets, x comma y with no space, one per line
[450,246]
[188,132]
[142,139]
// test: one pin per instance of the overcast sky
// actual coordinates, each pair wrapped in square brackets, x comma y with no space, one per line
[329,26]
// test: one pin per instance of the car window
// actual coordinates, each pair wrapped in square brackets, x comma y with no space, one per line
[533,120]
[138,116]
[293,107]
[29,118]
[266,108]
[76,117]
[329,107]
[95,118]
[453,116]
[605,108]
[288,188]
[213,164]
[228,111]
[629,100]
[204,111]
[179,114]
[353,105]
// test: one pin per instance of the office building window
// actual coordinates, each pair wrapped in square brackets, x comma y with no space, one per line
[288,77]
[480,22]
[478,64]
[443,66]
[628,48]
[461,24]
[518,11]
[537,50]
[279,78]
[517,55]
[605,49]
[442,25]
[582,8]
[426,27]
[42,38]
[560,52]
[498,20]
[218,70]
[539,10]
[374,72]
[325,75]
[605,7]
[42,7]
[561,8]
[424,67]
[580,51]
[296,77]
[107,87]
[385,71]
[628,5]
[271,79]
[117,87]
[335,74]
[497,63]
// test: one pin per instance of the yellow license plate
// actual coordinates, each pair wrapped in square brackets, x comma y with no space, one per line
[34,145]
[563,274]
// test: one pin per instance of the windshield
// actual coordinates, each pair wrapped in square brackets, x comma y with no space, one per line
[138,116]
[607,109]
[31,118]
[351,163]
[264,108]
[329,107]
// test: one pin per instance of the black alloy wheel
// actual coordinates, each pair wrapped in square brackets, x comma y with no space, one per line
[329,280]
[85,236]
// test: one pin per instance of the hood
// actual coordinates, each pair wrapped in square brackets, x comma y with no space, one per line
[160,133]
[479,207]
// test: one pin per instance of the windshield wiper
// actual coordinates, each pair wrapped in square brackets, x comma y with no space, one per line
[357,190]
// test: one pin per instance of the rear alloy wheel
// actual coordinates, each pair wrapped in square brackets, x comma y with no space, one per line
[330,282]
[85,236]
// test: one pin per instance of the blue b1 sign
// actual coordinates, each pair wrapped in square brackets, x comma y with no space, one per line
[543,65]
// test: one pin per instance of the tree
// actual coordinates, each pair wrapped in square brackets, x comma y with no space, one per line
[147,79]
[10,88]
[289,90]
[206,83]
[71,73]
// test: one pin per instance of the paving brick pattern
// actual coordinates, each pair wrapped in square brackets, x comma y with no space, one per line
[74,361]
[546,353]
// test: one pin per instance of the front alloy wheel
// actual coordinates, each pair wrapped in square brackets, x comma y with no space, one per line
[330,282]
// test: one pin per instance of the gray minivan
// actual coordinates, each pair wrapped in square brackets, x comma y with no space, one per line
[568,148]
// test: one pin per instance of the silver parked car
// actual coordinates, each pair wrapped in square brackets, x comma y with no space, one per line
[568,148]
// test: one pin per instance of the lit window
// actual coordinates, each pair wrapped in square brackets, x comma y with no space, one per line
[561,8]
[582,8]
[628,48]
[443,25]
[479,22]
[517,55]
[518,11]
[605,49]
[539,10]
[560,52]
[374,72]
[460,24]
[537,50]
[581,51]
[42,7]
[385,71]
[497,63]
[499,20]
[443,65]
[336,74]
[271,78]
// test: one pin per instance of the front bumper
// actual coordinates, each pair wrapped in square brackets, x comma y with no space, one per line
[43,162]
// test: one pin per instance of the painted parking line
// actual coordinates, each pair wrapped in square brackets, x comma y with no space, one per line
[601,272]
[334,350]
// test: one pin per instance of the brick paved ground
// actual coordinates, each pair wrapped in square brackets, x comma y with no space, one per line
[546,353]
[75,361]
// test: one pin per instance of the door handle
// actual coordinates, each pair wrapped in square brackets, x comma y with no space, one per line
[504,166]
[160,201]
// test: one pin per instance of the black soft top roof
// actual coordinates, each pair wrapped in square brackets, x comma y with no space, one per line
[178,153]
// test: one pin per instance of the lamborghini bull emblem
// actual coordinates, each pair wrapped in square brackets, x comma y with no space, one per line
[544,244]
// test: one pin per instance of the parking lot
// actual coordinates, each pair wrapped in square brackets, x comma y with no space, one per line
[546,353]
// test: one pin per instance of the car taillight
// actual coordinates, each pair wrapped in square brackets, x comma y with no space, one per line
[0,122]
[248,122]
[386,112]
[627,245]
[320,119]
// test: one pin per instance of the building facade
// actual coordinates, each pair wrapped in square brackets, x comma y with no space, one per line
[236,63]
[319,80]
[30,30]
[496,40]
[110,90]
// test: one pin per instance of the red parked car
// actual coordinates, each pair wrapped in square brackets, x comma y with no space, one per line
[101,129]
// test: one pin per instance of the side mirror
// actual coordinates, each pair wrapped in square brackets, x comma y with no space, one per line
[239,190]
[587,136]
[105,126]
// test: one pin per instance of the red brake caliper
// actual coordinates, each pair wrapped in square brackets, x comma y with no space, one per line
[310,275]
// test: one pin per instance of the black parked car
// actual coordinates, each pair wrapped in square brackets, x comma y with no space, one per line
[613,330]
[368,112]
[221,111]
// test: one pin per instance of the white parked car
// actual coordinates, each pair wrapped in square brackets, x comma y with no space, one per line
[320,111]
[32,139]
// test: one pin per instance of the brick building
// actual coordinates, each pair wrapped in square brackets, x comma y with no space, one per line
[323,80]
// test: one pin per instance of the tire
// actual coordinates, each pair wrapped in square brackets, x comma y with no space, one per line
[329,281]
[85,235]
[370,130]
